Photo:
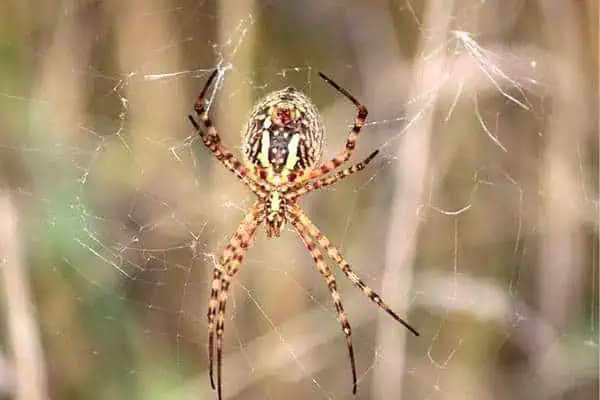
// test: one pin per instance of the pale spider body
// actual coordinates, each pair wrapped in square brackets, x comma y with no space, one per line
[282,144]
[282,139]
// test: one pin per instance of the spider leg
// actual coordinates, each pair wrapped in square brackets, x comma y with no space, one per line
[336,256]
[305,187]
[212,140]
[332,284]
[359,122]
[212,312]
[231,257]
[232,268]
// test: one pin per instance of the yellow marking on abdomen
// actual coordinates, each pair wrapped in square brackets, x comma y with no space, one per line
[265,144]
[292,156]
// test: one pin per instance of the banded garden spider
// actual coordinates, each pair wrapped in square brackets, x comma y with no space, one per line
[281,144]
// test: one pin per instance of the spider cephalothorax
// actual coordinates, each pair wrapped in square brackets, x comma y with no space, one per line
[282,143]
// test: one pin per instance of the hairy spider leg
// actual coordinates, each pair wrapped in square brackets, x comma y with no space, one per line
[302,188]
[345,154]
[229,261]
[332,284]
[212,141]
[336,256]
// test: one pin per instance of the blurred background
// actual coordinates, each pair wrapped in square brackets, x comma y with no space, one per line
[478,223]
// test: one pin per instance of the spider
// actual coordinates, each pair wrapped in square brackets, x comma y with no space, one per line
[281,144]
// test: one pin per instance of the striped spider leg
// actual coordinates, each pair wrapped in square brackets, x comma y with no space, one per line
[212,140]
[311,236]
[344,155]
[334,253]
[325,271]
[281,144]
[223,273]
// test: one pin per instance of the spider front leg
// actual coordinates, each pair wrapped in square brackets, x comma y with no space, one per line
[229,262]
[305,187]
[359,122]
[336,256]
[332,285]
[212,140]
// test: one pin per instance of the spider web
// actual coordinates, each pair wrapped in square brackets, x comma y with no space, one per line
[478,222]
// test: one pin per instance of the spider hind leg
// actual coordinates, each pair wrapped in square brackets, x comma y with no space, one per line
[337,300]
[336,256]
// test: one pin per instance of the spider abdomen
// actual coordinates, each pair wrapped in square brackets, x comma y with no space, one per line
[284,133]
